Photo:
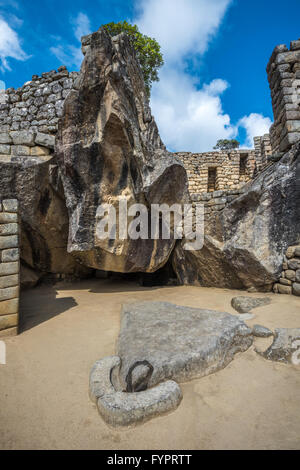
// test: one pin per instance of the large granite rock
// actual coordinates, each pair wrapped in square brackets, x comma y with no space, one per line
[159,341]
[44,218]
[108,146]
[245,243]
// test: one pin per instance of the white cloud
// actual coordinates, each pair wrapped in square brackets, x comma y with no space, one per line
[10,46]
[190,119]
[216,87]
[189,115]
[255,125]
[181,26]
[69,54]
[82,26]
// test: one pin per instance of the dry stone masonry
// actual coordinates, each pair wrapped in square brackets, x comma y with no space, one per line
[17,145]
[217,171]
[263,150]
[215,201]
[284,79]
[9,267]
[289,282]
[29,116]
[245,242]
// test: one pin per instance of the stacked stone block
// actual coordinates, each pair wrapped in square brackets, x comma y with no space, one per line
[226,164]
[284,79]
[289,282]
[263,149]
[32,112]
[15,145]
[215,201]
[9,267]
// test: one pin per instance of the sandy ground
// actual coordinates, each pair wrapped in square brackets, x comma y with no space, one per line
[44,403]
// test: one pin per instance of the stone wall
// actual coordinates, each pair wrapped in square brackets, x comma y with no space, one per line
[232,169]
[29,115]
[263,149]
[16,145]
[9,267]
[215,201]
[289,282]
[284,79]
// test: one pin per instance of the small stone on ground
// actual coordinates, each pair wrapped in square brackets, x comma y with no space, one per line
[261,331]
[285,347]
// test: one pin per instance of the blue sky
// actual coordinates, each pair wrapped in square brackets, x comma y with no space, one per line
[213,84]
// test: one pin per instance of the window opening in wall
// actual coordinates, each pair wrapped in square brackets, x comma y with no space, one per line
[212,179]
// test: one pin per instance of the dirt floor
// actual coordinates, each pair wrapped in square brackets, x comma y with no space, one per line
[44,403]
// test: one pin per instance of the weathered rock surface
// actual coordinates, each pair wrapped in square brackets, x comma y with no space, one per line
[246,316]
[44,218]
[29,278]
[281,289]
[261,331]
[244,304]
[285,347]
[180,343]
[245,243]
[119,408]
[109,146]
[296,289]
[100,377]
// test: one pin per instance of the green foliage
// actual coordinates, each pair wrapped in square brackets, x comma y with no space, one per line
[147,50]
[224,144]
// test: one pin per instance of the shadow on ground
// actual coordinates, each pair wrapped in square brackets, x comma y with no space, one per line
[50,306]
[106,286]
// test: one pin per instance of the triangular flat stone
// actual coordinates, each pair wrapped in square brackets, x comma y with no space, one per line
[180,343]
